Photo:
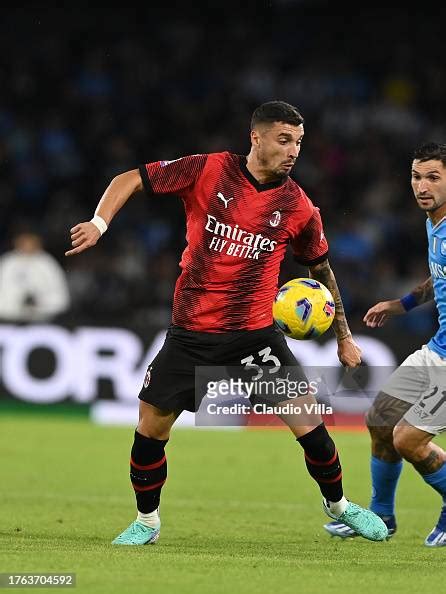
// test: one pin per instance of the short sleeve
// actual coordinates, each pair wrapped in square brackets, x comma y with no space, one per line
[310,246]
[172,177]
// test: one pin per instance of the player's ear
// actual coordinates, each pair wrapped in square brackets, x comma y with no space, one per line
[255,137]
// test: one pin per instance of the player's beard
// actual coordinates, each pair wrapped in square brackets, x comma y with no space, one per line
[265,164]
[433,207]
[281,175]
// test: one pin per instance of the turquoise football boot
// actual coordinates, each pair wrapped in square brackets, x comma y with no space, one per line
[138,534]
[363,521]
[342,531]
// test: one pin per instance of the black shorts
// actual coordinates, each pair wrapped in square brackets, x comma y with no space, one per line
[171,379]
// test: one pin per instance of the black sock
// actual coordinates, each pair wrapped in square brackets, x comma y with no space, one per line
[148,471]
[322,460]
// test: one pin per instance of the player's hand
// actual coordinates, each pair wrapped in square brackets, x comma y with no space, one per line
[83,236]
[378,315]
[349,353]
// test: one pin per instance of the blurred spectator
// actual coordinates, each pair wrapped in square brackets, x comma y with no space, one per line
[33,286]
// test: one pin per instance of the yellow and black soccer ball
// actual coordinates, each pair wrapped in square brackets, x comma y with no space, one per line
[303,308]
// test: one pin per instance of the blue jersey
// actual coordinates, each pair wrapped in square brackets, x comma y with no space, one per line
[436,235]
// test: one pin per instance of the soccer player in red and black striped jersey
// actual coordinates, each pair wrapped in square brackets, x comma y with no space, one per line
[241,214]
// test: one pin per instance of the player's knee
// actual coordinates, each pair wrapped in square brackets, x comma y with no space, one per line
[154,422]
[377,429]
[406,446]
[153,430]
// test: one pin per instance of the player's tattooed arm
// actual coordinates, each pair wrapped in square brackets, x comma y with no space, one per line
[349,353]
[424,292]
[324,274]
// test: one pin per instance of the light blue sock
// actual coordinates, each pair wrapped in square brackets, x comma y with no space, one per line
[437,480]
[385,477]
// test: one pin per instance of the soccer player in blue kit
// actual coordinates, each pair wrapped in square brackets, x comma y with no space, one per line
[411,408]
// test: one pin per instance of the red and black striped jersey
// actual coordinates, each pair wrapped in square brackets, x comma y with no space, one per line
[237,231]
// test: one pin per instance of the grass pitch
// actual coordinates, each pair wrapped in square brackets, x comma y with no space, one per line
[239,514]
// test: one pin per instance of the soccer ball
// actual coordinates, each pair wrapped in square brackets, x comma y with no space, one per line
[303,308]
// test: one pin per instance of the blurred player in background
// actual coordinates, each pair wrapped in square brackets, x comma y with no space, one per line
[411,408]
[241,213]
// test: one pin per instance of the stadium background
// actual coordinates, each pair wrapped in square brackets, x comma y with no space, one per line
[87,96]
[88,92]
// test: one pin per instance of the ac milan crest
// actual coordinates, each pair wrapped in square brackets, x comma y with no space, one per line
[275,218]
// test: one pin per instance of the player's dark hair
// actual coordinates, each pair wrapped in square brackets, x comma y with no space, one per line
[276,111]
[431,151]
